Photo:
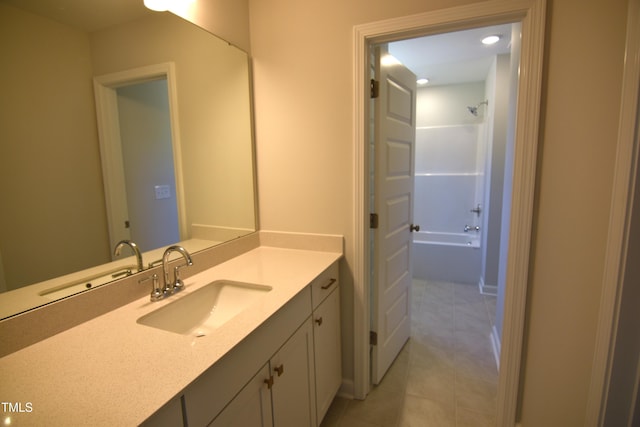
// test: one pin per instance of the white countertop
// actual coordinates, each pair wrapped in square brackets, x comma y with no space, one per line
[114,371]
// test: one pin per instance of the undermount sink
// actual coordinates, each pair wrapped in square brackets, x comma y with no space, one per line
[89,282]
[205,309]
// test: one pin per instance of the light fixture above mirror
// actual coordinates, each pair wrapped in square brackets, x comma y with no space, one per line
[158,5]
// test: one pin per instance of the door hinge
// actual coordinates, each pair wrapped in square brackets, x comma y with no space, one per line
[373,220]
[373,338]
[375,88]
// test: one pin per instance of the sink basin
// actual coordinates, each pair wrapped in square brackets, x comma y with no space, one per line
[205,309]
[97,279]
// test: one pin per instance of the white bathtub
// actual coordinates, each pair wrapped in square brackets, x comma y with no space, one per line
[454,257]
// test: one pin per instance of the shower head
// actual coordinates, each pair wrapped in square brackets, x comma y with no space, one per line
[474,110]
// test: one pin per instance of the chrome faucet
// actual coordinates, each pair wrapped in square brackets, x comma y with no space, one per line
[175,285]
[134,247]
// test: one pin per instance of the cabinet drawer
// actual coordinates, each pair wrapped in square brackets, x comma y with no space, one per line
[322,285]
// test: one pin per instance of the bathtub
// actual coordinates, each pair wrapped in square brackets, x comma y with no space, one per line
[454,257]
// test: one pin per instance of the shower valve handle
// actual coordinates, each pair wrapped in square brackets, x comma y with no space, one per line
[414,227]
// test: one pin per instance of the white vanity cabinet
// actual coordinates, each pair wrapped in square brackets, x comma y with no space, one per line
[251,407]
[206,397]
[293,381]
[284,374]
[325,295]
[282,393]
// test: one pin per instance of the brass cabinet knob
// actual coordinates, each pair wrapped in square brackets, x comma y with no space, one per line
[269,382]
[279,370]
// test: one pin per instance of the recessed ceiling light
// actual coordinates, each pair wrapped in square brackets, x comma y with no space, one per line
[490,39]
[422,81]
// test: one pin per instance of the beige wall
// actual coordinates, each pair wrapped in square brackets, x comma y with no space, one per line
[52,219]
[302,53]
[584,63]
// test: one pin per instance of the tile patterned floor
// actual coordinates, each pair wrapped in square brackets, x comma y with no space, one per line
[446,374]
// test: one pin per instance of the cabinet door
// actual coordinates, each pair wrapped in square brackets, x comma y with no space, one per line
[328,358]
[251,407]
[293,391]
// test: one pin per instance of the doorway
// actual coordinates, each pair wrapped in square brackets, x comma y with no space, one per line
[134,106]
[147,157]
[531,15]
[456,151]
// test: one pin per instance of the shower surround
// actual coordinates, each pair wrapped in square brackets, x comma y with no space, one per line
[449,186]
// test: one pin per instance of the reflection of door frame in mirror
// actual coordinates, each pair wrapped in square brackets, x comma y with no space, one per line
[105,88]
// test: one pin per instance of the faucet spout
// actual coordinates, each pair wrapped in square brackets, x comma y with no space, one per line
[134,248]
[176,284]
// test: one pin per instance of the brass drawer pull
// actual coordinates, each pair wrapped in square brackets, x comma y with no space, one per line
[328,285]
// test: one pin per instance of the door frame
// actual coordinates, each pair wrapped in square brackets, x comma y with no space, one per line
[625,176]
[531,13]
[105,89]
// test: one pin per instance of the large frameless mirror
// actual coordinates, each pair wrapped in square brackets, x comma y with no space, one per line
[126,124]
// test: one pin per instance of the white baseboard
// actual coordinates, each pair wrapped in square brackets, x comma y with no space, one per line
[491,290]
[495,345]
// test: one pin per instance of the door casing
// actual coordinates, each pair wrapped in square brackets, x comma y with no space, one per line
[618,235]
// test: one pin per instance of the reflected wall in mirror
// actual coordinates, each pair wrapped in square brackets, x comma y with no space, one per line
[53,220]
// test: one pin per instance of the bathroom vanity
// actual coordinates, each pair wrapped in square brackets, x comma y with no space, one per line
[276,362]
[76,350]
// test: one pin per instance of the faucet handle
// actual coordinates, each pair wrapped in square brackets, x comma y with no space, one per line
[156,292]
[178,284]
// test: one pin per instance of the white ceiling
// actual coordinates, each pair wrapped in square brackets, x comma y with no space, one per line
[87,15]
[449,58]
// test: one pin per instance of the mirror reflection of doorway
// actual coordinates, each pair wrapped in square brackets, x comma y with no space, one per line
[147,156]
[141,159]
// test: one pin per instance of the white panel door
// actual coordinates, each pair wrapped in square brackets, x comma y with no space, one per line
[393,201]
